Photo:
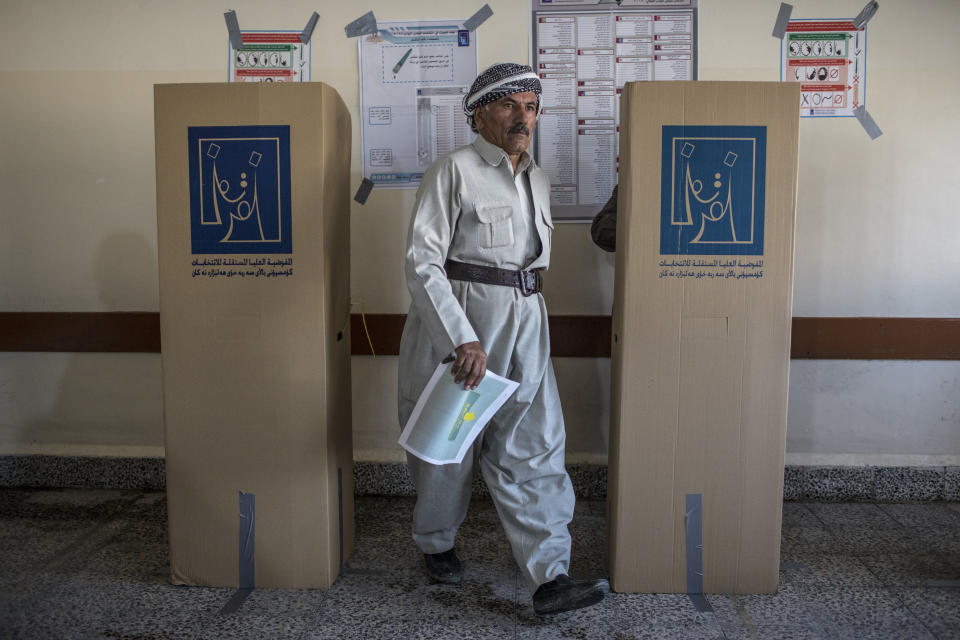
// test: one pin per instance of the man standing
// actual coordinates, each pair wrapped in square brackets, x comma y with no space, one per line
[479,238]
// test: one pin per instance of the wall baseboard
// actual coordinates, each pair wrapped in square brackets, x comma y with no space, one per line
[571,336]
[801,483]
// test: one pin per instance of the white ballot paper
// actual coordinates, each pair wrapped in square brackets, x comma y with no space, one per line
[448,418]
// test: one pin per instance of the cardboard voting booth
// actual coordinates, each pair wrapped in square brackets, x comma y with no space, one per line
[253,210]
[701,335]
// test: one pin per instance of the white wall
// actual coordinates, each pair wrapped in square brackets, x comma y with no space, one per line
[876,224]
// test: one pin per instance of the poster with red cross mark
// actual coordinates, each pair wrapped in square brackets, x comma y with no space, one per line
[270,56]
[829,60]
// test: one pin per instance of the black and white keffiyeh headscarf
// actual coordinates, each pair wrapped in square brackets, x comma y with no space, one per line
[500,80]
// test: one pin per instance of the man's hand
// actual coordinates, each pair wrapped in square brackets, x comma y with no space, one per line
[470,365]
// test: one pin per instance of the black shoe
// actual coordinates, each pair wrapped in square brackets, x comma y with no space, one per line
[566,594]
[444,567]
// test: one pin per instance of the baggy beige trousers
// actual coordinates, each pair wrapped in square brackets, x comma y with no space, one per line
[521,450]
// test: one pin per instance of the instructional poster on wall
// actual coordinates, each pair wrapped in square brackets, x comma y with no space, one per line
[413,77]
[829,60]
[584,53]
[270,56]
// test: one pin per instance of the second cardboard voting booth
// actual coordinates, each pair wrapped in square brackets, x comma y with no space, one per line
[253,210]
[701,335]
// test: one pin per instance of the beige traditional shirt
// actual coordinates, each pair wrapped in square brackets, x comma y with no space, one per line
[472,207]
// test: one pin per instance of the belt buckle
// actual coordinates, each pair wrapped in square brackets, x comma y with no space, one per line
[531,286]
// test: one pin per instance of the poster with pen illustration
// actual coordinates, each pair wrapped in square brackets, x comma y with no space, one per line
[448,418]
[413,78]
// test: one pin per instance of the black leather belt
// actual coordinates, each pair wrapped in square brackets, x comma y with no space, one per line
[529,282]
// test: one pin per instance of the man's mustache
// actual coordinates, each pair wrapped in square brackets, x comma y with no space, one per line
[519,128]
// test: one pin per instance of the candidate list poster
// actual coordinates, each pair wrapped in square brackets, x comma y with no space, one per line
[584,53]
[829,60]
[413,77]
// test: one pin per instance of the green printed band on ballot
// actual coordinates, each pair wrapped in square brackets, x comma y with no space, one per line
[829,35]
[465,415]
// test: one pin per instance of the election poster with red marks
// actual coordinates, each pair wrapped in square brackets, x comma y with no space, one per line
[829,60]
[270,56]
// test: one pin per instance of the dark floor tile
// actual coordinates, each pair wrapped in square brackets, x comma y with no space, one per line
[783,614]
[857,541]
[938,608]
[28,545]
[907,629]
[865,516]
[490,598]
[397,626]
[383,516]
[798,514]
[46,505]
[105,575]
[656,609]
[929,515]
[913,570]
[807,540]
[817,570]
[85,606]
[127,548]
[588,553]
[455,629]
[934,541]
[786,607]
[932,528]
[870,610]
[810,630]
[268,613]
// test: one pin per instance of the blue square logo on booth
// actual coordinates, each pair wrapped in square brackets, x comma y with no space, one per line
[712,190]
[240,189]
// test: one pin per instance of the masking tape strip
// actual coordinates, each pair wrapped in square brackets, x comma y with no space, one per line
[233,28]
[364,191]
[866,13]
[364,25]
[783,19]
[694,539]
[340,513]
[308,30]
[233,604]
[867,122]
[700,602]
[245,570]
[478,18]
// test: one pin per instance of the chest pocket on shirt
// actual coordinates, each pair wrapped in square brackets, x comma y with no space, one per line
[496,225]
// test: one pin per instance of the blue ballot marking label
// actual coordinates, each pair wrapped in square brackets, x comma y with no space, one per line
[240,189]
[712,190]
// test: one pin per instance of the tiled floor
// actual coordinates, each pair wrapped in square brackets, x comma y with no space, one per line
[93,564]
